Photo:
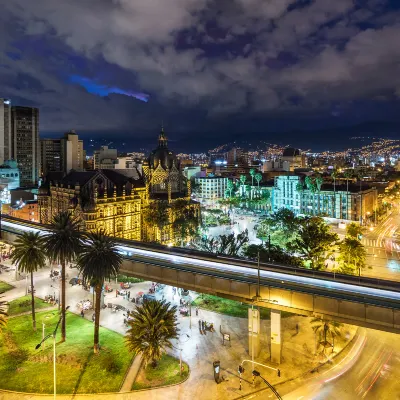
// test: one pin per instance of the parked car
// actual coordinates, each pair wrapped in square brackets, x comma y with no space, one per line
[148,297]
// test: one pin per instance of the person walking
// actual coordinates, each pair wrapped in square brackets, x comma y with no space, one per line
[82,314]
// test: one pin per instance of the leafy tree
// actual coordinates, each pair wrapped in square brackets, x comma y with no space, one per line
[284,220]
[157,216]
[3,314]
[274,254]
[152,328]
[243,182]
[29,253]
[352,257]
[252,174]
[63,243]
[326,328]
[225,244]
[98,260]
[314,242]
[354,231]
[185,220]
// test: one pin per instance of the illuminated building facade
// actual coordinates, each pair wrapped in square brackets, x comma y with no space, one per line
[102,199]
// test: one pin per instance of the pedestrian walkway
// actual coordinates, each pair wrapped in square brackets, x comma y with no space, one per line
[132,374]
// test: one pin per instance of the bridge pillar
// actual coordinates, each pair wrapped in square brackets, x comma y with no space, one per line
[276,344]
[254,332]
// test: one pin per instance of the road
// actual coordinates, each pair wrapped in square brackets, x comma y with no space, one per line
[369,371]
[383,249]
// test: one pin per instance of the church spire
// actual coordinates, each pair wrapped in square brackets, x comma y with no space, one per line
[162,139]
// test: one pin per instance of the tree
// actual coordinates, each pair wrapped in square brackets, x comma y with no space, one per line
[326,328]
[352,256]
[153,326]
[185,220]
[3,314]
[252,173]
[354,231]
[243,182]
[156,215]
[29,253]
[97,261]
[63,243]
[258,177]
[314,242]
[225,244]
[230,186]
[271,253]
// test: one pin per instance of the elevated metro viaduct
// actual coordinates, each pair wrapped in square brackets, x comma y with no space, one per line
[366,302]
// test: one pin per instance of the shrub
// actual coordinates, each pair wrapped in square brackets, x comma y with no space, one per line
[14,359]
[111,364]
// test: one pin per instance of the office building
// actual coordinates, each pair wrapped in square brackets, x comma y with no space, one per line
[62,155]
[25,143]
[104,158]
[5,130]
[338,202]
[211,188]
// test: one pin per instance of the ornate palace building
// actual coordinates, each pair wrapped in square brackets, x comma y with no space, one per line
[102,199]
[121,202]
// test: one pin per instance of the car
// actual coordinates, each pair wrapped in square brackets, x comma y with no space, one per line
[148,297]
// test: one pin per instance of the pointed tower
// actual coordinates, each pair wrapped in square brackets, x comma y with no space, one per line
[162,139]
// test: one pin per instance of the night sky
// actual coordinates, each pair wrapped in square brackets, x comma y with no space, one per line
[212,70]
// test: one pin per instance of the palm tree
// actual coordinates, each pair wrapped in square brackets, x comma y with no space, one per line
[153,326]
[3,314]
[243,181]
[348,175]
[63,244]
[258,177]
[252,174]
[230,186]
[326,328]
[98,260]
[29,254]
[352,256]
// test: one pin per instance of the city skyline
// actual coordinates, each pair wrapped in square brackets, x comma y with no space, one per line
[206,70]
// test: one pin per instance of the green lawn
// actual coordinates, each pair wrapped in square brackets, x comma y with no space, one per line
[4,286]
[23,304]
[130,279]
[166,373]
[230,307]
[22,368]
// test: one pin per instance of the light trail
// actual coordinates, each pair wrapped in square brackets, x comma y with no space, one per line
[241,270]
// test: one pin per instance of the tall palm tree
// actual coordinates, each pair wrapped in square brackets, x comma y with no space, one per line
[252,174]
[243,181]
[325,328]
[230,186]
[29,253]
[97,261]
[152,328]
[3,314]
[63,244]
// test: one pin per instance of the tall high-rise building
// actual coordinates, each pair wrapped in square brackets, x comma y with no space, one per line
[104,158]
[25,142]
[5,130]
[63,154]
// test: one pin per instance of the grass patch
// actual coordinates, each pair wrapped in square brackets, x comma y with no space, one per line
[130,279]
[24,304]
[166,373]
[4,286]
[22,368]
[230,307]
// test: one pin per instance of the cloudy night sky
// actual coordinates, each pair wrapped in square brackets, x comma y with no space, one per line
[212,70]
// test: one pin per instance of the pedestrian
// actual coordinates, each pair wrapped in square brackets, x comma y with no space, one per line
[197,311]
[82,314]
[129,295]
[202,325]
[297,328]
[199,325]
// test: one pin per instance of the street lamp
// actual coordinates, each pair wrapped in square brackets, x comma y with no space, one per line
[256,373]
[180,352]
[54,351]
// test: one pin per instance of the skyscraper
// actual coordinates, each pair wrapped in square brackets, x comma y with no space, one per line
[63,154]
[25,142]
[5,130]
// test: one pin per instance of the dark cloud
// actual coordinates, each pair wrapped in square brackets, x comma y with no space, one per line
[203,61]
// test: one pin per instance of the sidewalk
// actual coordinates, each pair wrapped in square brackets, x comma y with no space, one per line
[198,350]
[132,374]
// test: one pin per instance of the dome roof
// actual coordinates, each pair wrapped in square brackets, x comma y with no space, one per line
[290,152]
[162,155]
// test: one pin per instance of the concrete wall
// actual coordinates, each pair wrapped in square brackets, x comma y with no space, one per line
[374,317]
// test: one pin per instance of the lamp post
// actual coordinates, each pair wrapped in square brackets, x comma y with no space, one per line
[180,352]
[256,373]
[53,335]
